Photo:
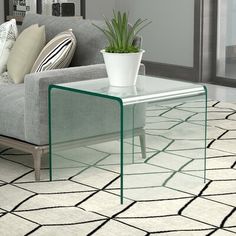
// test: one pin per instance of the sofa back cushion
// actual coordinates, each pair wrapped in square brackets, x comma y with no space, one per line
[57,54]
[25,51]
[89,39]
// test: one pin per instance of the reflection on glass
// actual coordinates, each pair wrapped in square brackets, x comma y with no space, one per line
[226,45]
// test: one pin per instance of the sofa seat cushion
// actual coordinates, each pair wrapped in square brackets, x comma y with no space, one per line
[12,110]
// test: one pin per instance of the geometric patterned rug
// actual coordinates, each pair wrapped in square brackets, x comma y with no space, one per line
[89,204]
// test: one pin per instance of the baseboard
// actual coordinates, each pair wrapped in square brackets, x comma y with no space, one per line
[228,82]
[170,71]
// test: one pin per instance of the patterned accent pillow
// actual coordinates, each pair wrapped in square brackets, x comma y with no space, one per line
[8,35]
[58,53]
[5,79]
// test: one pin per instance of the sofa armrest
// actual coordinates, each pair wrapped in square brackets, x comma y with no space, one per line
[36,96]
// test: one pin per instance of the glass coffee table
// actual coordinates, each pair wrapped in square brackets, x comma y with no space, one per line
[134,142]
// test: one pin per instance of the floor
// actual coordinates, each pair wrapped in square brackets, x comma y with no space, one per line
[221,93]
[164,194]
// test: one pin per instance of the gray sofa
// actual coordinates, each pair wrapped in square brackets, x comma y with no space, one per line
[24,107]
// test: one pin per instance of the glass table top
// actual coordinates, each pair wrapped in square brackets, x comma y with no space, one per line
[147,89]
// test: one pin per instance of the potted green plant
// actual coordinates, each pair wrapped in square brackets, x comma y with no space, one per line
[121,56]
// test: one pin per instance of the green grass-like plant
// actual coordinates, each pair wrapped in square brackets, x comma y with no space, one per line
[121,34]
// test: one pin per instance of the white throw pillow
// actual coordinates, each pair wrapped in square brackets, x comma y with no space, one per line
[8,35]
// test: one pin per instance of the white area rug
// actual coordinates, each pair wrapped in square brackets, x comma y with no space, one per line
[165,194]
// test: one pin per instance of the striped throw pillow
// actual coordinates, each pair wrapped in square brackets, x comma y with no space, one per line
[57,53]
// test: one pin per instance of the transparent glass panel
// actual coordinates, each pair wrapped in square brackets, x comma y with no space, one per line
[226,39]
[142,142]
[169,149]
[85,131]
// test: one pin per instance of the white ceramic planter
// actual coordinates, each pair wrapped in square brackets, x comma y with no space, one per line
[122,68]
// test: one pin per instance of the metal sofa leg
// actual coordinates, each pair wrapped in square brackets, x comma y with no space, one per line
[35,150]
[37,155]
[143,143]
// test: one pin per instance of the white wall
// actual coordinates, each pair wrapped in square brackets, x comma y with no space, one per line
[1,11]
[95,9]
[169,39]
